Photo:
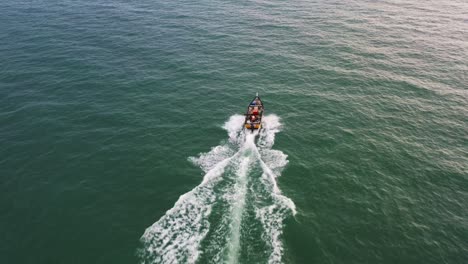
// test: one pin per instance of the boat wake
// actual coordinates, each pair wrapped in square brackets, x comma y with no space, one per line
[236,214]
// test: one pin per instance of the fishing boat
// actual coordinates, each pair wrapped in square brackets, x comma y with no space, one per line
[253,117]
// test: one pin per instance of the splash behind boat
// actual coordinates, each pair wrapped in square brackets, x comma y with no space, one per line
[253,117]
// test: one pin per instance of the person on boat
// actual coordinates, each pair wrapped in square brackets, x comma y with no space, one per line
[255,110]
[253,118]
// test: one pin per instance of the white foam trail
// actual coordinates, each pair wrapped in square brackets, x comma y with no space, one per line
[234,127]
[207,161]
[271,125]
[237,210]
[272,216]
[177,236]
[272,162]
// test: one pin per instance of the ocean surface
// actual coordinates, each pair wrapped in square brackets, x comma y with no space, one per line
[121,141]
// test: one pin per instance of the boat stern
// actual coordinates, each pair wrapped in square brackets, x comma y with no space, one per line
[253,126]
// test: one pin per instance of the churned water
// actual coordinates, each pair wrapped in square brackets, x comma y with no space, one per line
[120,136]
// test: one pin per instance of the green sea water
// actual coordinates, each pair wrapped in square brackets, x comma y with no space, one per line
[120,136]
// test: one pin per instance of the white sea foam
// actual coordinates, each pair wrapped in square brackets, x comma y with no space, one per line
[238,204]
[271,126]
[178,235]
[272,162]
[234,127]
[207,161]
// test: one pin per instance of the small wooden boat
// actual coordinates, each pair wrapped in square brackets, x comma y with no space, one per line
[253,117]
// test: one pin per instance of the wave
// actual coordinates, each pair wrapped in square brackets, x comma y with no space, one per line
[237,200]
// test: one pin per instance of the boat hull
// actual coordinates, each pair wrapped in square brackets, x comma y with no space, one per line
[254,114]
[255,126]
